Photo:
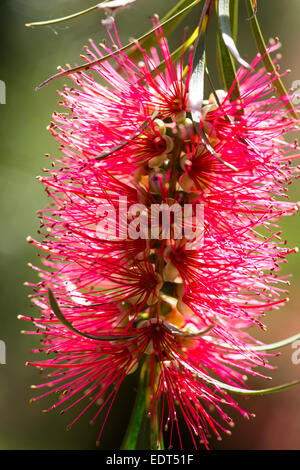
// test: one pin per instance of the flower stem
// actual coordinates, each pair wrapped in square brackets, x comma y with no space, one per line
[143,430]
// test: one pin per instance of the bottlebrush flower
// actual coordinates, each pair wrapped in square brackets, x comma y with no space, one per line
[125,299]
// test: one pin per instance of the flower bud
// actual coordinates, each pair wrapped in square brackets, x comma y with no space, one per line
[169,143]
[184,162]
[157,161]
[187,184]
[171,273]
[184,309]
[160,126]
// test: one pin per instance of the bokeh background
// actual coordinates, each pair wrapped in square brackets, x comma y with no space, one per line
[27,57]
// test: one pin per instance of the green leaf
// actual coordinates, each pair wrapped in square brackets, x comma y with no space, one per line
[223,9]
[267,347]
[278,344]
[225,60]
[226,66]
[67,324]
[146,40]
[268,63]
[196,86]
[231,388]
[142,433]
[106,4]
[65,18]
[265,391]
[234,17]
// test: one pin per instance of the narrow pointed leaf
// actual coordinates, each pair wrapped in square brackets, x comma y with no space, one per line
[105,5]
[196,87]
[226,65]
[268,347]
[268,63]
[225,60]
[197,82]
[67,324]
[146,41]
[265,391]
[225,27]
[233,389]
[65,18]
[278,344]
[234,17]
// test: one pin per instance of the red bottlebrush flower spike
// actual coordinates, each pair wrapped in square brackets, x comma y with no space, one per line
[131,295]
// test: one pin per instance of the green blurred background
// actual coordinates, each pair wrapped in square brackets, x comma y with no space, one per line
[27,57]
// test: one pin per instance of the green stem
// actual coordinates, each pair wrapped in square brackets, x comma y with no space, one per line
[143,430]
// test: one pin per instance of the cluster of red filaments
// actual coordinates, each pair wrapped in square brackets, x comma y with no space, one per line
[182,312]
